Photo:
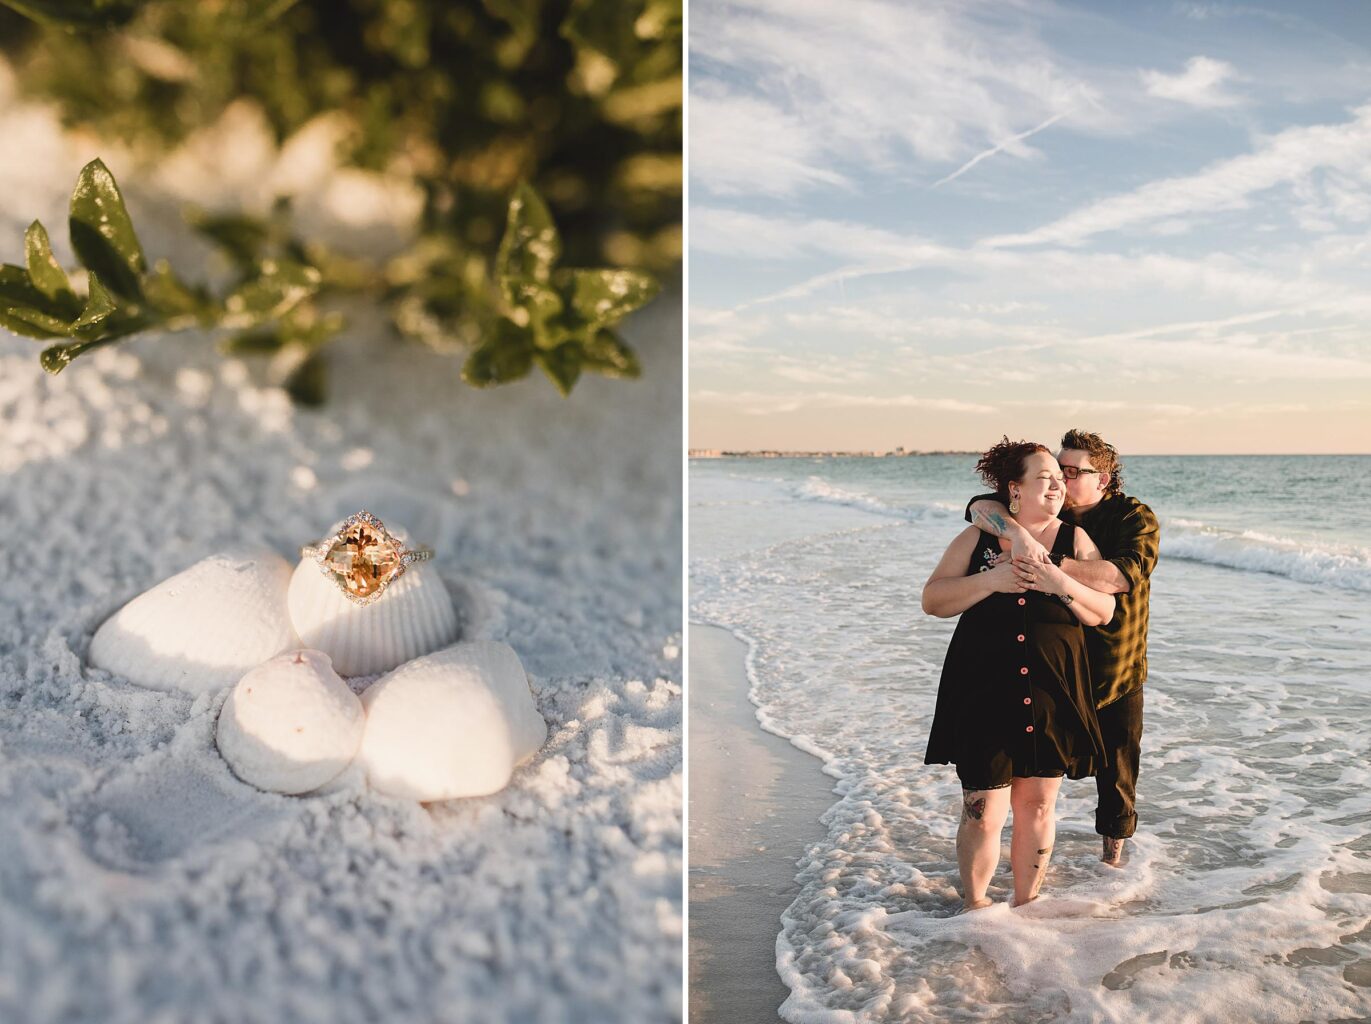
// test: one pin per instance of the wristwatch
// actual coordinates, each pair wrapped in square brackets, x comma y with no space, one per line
[1056,558]
[1065,598]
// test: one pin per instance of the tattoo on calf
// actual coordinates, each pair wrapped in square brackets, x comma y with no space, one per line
[973,808]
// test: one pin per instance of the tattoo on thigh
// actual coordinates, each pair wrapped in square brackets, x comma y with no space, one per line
[973,807]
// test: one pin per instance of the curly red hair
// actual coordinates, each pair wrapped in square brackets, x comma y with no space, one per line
[1005,462]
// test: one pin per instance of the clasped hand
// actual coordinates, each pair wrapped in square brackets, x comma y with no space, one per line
[1043,577]
[1025,546]
[1015,575]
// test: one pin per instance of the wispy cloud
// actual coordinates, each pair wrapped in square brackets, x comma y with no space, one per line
[1185,262]
[1283,159]
[742,144]
[811,93]
[1199,85]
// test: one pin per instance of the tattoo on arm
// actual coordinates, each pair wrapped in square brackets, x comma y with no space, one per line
[995,521]
[973,808]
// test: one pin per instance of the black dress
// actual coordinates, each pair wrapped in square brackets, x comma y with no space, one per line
[1015,695]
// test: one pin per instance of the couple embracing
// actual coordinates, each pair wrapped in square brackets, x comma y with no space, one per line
[1043,676]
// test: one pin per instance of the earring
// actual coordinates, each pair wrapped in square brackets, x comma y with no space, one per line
[1014,505]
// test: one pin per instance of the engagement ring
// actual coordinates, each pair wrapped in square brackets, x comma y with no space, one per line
[363,558]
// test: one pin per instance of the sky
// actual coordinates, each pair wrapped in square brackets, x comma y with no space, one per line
[927,224]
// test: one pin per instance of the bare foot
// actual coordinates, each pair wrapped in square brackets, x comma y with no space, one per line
[1112,853]
[980,904]
[1020,903]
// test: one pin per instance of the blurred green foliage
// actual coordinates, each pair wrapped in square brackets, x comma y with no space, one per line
[536,130]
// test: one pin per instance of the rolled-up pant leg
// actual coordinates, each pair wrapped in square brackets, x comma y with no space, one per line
[1121,726]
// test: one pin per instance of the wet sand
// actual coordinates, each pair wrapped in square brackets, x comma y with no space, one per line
[755,803]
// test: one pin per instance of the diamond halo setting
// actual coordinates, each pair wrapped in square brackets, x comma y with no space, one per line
[362,558]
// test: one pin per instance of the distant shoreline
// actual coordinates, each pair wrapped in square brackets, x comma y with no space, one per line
[899,453]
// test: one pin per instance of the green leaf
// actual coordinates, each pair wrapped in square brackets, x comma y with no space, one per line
[260,13]
[530,246]
[661,19]
[506,356]
[605,26]
[308,382]
[563,365]
[26,310]
[258,341]
[280,285]
[605,353]
[537,307]
[99,305]
[520,15]
[240,237]
[74,14]
[17,289]
[45,273]
[308,333]
[171,297]
[56,357]
[31,323]
[603,297]
[102,233]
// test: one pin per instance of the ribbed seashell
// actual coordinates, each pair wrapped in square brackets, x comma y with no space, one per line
[452,724]
[291,724]
[203,628]
[412,616]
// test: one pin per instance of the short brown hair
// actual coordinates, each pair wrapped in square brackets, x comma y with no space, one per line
[1103,456]
[1005,462]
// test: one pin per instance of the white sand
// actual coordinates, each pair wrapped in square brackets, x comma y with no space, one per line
[140,881]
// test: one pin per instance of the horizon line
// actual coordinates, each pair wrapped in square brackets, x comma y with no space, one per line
[871,453]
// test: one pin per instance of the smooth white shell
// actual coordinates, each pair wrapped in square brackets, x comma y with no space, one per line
[291,724]
[413,616]
[203,628]
[451,724]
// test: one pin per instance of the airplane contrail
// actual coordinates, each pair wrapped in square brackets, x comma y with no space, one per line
[1000,146]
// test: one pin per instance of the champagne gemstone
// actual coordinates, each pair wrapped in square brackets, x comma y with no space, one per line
[364,558]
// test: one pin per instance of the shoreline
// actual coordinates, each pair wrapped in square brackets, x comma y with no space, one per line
[755,803]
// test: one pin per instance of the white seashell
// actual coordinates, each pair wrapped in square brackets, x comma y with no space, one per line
[451,724]
[291,724]
[203,628]
[413,616]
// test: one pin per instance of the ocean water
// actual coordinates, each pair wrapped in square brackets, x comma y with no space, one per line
[1246,894]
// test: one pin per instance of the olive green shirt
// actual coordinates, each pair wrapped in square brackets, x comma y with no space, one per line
[1126,532]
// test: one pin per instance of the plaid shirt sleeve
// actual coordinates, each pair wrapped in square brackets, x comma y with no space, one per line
[1127,536]
[1135,545]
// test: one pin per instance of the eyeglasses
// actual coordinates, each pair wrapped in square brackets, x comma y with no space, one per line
[1071,472]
